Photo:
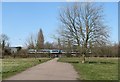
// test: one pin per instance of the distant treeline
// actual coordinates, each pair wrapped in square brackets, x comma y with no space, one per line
[103,51]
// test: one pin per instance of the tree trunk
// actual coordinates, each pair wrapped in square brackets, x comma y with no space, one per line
[83,56]
[84,53]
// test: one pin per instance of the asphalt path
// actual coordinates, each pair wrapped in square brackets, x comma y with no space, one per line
[50,70]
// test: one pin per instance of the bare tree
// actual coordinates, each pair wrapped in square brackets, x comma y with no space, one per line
[59,43]
[48,45]
[3,41]
[83,23]
[31,42]
[40,40]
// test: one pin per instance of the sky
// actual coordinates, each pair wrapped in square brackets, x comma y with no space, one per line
[59,0]
[119,23]
[21,19]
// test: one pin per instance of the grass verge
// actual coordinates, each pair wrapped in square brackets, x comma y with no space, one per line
[13,66]
[95,68]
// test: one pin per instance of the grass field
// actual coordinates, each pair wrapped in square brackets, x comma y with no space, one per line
[0,69]
[95,68]
[13,66]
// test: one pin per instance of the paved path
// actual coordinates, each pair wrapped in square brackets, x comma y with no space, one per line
[51,70]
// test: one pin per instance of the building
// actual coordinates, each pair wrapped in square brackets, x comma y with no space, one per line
[13,50]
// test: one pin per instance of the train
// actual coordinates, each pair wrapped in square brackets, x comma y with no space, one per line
[51,51]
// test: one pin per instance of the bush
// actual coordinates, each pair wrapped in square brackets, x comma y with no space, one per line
[22,53]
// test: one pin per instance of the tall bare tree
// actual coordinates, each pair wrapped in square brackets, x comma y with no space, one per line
[40,40]
[84,24]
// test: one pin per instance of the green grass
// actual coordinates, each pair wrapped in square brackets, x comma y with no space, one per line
[13,66]
[95,68]
[0,69]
